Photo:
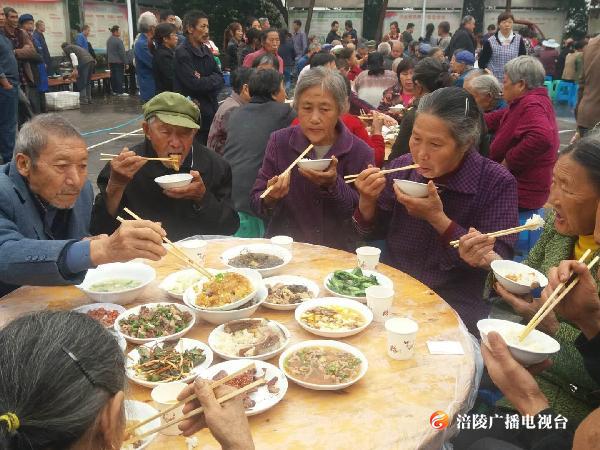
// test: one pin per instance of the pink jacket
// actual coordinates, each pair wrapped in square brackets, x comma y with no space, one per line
[526,137]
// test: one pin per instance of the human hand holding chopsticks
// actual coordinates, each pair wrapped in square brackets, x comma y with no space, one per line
[227,421]
[477,249]
[278,188]
[370,183]
[124,166]
[326,178]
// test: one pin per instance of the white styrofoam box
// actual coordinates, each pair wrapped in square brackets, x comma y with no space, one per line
[59,101]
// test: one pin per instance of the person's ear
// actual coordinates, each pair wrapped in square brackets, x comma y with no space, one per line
[112,423]
[146,128]
[24,164]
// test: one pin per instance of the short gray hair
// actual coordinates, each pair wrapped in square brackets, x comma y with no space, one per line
[314,46]
[178,23]
[526,68]
[384,48]
[330,81]
[146,21]
[466,20]
[484,84]
[33,137]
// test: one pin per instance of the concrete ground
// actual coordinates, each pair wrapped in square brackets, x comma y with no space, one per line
[108,115]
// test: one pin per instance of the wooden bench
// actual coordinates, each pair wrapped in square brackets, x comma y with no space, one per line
[102,78]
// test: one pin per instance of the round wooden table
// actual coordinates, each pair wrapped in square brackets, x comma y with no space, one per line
[389,408]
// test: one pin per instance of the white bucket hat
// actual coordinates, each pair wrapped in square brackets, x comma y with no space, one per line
[551,43]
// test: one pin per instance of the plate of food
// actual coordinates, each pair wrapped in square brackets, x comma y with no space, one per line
[136,412]
[351,283]
[261,398]
[249,338]
[323,365]
[267,259]
[152,321]
[518,278]
[163,362]
[105,313]
[333,317]
[286,292]
[227,290]
[177,283]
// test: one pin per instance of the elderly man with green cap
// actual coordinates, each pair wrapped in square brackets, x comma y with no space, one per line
[201,207]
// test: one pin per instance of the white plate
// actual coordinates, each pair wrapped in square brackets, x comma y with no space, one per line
[136,310]
[336,344]
[183,344]
[108,306]
[135,410]
[383,281]
[129,270]
[263,398]
[214,336]
[328,301]
[501,268]
[189,296]
[290,279]
[269,249]
[168,284]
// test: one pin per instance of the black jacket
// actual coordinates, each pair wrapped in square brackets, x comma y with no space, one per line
[462,39]
[332,36]
[180,218]
[163,69]
[190,60]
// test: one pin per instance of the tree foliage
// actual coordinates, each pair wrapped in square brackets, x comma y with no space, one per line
[577,18]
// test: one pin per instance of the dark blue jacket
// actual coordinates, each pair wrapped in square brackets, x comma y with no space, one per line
[8,62]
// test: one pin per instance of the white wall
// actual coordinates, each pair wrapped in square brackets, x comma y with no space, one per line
[321,21]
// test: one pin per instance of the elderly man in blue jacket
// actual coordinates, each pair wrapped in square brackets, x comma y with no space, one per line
[45,209]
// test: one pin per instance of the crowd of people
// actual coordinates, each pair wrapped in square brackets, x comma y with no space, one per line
[476,118]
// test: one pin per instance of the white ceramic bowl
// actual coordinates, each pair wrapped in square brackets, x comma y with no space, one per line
[382,279]
[536,347]
[329,301]
[171,337]
[269,249]
[140,411]
[189,277]
[183,344]
[174,180]
[129,270]
[528,276]
[263,398]
[324,343]
[412,188]
[314,164]
[214,337]
[290,279]
[108,306]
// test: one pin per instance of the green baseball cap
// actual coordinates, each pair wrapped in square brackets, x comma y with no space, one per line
[172,108]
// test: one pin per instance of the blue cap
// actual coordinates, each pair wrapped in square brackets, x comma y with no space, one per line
[465,57]
[25,18]
[424,48]
[326,47]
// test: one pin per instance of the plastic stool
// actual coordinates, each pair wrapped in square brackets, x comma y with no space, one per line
[227,79]
[573,95]
[563,91]
[548,85]
[548,78]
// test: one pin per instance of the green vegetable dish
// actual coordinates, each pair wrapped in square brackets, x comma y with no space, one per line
[163,320]
[167,364]
[114,285]
[351,283]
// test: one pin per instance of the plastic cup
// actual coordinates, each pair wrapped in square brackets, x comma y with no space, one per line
[194,249]
[283,241]
[368,257]
[379,300]
[165,396]
[401,337]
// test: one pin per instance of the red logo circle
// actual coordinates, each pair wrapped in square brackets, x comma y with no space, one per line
[439,420]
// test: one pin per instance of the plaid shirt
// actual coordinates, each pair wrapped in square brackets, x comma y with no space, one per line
[480,194]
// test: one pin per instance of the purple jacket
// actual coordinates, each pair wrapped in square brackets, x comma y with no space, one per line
[309,213]
[480,194]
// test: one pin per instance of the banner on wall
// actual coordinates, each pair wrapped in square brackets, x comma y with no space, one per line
[101,16]
[435,17]
[52,12]
[321,21]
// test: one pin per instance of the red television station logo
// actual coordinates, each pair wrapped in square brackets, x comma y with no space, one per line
[439,420]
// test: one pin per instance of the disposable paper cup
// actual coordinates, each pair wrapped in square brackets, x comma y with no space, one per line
[401,336]
[368,257]
[379,300]
[194,249]
[283,241]
[164,396]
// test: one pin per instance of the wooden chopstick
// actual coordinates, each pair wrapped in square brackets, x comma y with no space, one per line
[289,169]
[534,322]
[386,171]
[196,411]
[501,233]
[213,385]
[550,299]
[112,155]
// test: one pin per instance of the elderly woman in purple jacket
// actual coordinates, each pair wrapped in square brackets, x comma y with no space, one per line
[313,206]
[465,190]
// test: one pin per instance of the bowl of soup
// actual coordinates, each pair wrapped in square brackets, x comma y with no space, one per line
[266,259]
[119,283]
[518,278]
[323,365]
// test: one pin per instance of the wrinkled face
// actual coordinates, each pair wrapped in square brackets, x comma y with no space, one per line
[573,197]
[406,80]
[397,49]
[318,114]
[484,100]
[171,19]
[60,172]
[171,40]
[28,26]
[271,43]
[506,26]
[199,33]
[433,147]
[239,34]
[512,91]
[169,139]
[12,19]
